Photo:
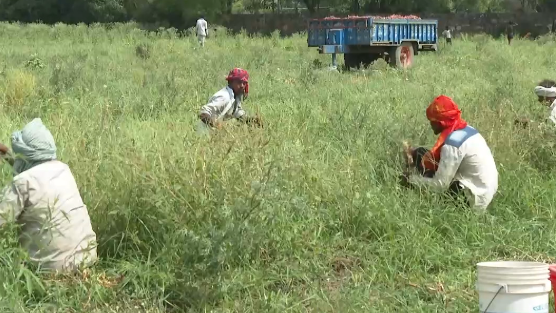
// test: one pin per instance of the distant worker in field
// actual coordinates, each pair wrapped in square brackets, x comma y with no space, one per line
[448,35]
[460,161]
[546,95]
[202,30]
[510,31]
[546,91]
[44,200]
[226,103]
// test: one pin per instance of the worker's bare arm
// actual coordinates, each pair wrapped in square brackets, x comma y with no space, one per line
[450,160]
[208,119]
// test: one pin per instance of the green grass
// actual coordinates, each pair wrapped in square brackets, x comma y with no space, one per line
[305,216]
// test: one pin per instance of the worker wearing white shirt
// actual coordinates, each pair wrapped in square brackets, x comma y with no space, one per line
[226,103]
[44,200]
[460,161]
[546,93]
[202,31]
[448,35]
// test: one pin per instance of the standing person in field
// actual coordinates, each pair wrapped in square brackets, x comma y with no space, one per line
[460,161]
[448,35]
[226,103]
[44,200]
[510,31]
[202,30]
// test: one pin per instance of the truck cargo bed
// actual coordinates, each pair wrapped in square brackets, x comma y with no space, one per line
[371,31]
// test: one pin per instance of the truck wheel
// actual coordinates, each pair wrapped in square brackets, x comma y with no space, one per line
[352,60]
[368,59]
[402,56]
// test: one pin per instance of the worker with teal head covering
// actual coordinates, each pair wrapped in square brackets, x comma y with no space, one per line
[33,145]
[56,228]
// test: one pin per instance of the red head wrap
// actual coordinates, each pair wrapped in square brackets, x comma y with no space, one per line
[446,112]
[242,75]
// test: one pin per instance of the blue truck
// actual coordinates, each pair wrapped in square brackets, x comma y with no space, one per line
[363,40]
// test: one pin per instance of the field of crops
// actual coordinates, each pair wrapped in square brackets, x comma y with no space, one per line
[305,215]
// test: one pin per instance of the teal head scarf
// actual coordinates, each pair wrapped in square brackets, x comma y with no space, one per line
[32,146]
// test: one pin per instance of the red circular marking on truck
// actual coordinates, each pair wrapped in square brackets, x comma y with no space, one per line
[405,57]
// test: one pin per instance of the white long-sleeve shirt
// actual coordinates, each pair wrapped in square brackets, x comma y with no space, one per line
[202,27]
[465,157]
[224,105]
[55,225]
[552,112]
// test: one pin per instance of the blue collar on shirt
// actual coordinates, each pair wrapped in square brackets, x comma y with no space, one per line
[458,137]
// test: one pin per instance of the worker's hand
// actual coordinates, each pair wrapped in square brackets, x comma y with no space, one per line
[408,153]
[5,154]
[404,180]
[523,122]
[3,149]
[207,119]
[258,121]
[253,121]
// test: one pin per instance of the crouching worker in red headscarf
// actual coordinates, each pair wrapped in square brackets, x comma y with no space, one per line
[226,103]
[460,161]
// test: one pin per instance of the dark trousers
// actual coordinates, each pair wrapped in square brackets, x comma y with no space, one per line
[455,190]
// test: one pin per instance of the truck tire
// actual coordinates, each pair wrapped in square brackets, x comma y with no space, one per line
[402,56]
[368,58]
[352,60]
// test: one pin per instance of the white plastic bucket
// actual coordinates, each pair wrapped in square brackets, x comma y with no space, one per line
[513,287]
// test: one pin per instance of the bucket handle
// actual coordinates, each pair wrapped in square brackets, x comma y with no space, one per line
[502,286]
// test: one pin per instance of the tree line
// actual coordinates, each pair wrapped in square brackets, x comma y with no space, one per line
[181,13]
